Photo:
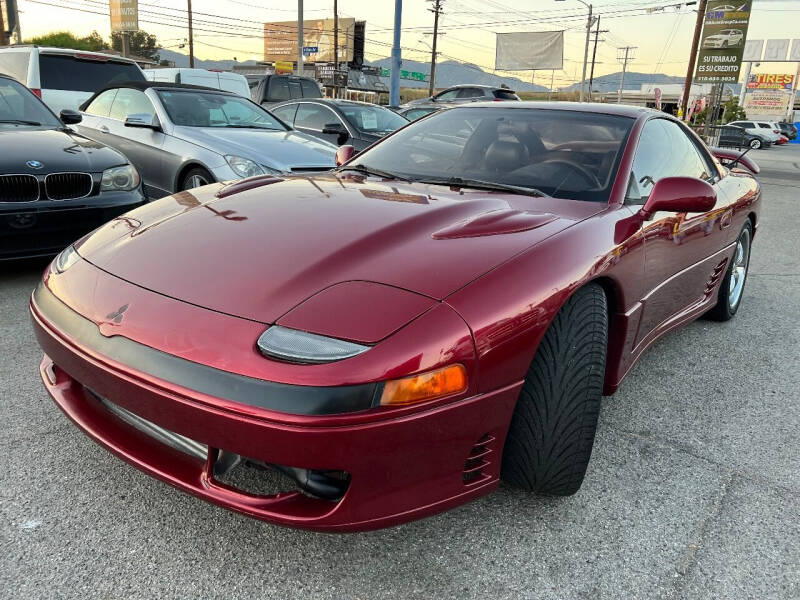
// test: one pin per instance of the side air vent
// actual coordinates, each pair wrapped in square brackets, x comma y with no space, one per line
[478,459]
[716,275]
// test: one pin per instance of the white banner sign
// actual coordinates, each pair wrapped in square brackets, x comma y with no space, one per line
[529,51]
[776,50]
[766,103]
[752,50]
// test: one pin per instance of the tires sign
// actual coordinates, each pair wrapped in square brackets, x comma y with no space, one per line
[722,42]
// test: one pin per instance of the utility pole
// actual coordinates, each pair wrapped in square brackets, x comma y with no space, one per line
[3,36]
[126,43]
[589,23]
[191,35]
[698,27]
[299,37]
[394,79]
[552,77]
[624,61]
[436,10]
[594,56]
[335,46]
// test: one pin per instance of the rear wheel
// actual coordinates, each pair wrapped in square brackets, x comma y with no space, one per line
[729,297]
[195,178]
[755,143]
[552,430]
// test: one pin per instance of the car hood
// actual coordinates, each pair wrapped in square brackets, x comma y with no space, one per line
[282,150]
[57,150]
[260,252]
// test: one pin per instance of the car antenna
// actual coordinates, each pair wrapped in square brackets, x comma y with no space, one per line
[738,158]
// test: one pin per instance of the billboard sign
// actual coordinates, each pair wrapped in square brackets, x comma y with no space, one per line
[124,15]
[529,51]
[764,81]
[722,44]
[280,40]
[766,103]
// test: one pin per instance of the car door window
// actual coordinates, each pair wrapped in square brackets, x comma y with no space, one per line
[285,113]
[101,105]
[131,102]
[295,91]
[309,88]
[469,93]
[314,116]
[664,151]
[448,95]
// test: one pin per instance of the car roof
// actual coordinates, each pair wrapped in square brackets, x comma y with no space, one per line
[623,110]
[330,102]
[482,86]
[146,85]
[70,52]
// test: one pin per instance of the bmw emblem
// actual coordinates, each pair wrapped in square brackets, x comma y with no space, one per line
[34,164]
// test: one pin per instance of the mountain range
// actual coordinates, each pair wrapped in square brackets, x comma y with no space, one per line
[450,72]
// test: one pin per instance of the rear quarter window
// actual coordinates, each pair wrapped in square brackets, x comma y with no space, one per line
[15,64]
[505,95]
[310,89]
[66,72]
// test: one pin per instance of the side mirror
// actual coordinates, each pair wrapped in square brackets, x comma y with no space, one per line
[70,117]
[343,154]
[142,121]
[679,194]
[338,130]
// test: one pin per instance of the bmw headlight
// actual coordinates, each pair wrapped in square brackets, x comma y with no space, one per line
[120,179]
[68,257]
[303,347]
[244,167]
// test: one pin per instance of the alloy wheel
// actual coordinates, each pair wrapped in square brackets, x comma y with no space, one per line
[741,261]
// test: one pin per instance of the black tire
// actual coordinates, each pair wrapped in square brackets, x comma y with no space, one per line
[193,176]
[727,306]
[550,438]
[755,143]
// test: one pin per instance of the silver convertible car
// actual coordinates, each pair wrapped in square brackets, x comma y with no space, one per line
[181,136]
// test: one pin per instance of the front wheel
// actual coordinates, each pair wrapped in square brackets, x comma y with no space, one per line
[729,297]
[552,430]
[196,177]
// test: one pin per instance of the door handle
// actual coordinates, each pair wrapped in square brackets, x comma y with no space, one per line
[103,128]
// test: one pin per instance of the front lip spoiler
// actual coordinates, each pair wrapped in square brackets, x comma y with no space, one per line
[269,395]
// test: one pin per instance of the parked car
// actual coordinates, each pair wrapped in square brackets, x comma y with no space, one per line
[358,124]
[412,113]
[444,310]
[763,129]
[55,185]
[734,136]
[724,39]
[65,78]
[210,78]
[783,140]
[788,129]
[181,136]
[459,94]
[267,90]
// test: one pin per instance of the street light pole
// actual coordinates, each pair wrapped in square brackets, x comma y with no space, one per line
[394,78]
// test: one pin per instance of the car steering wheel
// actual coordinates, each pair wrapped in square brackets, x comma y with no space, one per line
[588,175]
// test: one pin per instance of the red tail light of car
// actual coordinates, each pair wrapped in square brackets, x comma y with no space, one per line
[37,92]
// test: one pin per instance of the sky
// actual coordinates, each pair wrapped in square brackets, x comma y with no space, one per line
[225,29]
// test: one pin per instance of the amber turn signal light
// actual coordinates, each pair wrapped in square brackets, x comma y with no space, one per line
[426,386]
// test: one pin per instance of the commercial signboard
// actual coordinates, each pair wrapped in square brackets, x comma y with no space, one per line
[280,40]
[410,75]
[765,81]
[722,44]
[124,15]
[766,103]
[529,51]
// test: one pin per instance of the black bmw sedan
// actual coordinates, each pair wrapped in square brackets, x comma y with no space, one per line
[55,185]
[358,124]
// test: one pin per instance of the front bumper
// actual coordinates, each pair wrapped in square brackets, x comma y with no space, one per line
[401,466]
[44,228]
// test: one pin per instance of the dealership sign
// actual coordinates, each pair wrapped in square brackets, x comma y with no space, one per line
[124,15]
[766,103]
[722,44]
[764,81]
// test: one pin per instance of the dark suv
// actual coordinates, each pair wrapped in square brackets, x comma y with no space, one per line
[271,89]
[788,129]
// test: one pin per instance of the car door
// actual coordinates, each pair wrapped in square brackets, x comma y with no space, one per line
[142,146]
[681,249]
[95,121]
[446,96]
[285,113]
[312,118]
[468,94]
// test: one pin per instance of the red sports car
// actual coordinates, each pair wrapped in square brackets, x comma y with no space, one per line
[377,344]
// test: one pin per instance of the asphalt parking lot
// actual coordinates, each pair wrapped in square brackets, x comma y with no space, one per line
[693,490]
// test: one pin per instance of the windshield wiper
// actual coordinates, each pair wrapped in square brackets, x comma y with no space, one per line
[20,122]
[372,171]
[483,185]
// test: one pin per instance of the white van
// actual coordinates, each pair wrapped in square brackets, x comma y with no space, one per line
[220,80]
[65,78]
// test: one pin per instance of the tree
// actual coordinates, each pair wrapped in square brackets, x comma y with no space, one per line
[140,43]
[732,110]
[64,39]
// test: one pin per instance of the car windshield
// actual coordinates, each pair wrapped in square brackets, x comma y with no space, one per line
[372,119]
[562,153]
[191,108]
[20,108]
